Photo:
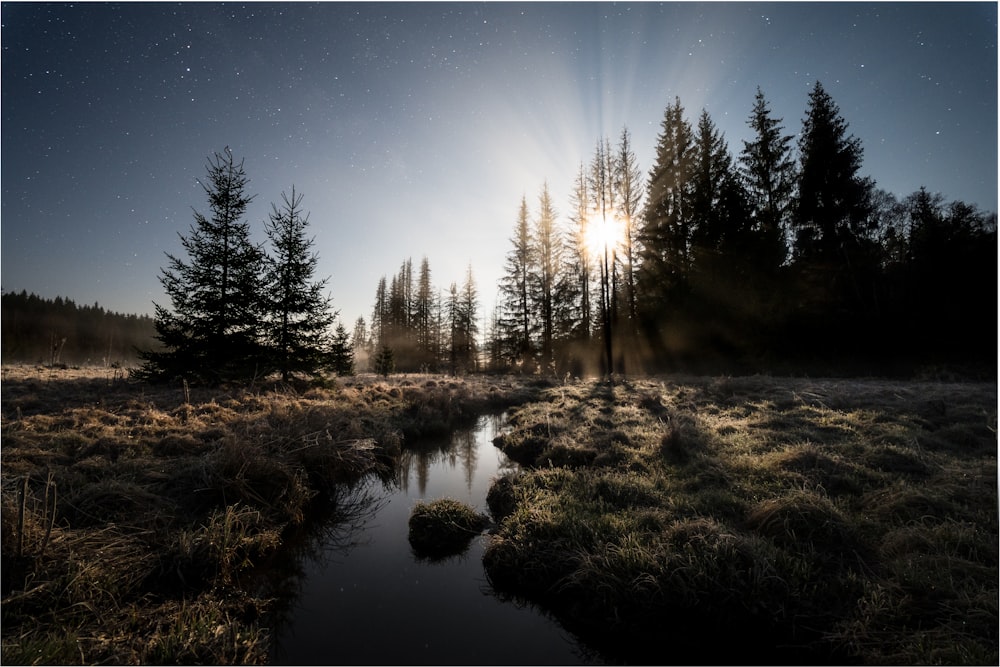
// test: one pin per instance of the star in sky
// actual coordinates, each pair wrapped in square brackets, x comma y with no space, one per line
[414,129]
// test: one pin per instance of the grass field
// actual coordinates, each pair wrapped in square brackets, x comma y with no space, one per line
[851,520]
[129,512]
[709,520]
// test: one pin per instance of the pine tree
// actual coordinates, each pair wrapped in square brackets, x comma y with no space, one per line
[213,333]
[833,202]
[384,363]
[517,325]
[629,188]
[380,316]
[299,316]
[361,345]
[423,319]
[548,255]
[768,171]
[579,262]
[665,234]
[341,352]
[604,242]
[463,305]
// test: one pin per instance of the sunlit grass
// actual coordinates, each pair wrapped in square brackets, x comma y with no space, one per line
[146,506]
[849,520]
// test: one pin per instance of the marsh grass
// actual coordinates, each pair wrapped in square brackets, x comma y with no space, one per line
[832,520]
[443,527]
[131,513]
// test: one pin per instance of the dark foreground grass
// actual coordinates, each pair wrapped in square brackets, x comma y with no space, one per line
[757,520]
[131,512]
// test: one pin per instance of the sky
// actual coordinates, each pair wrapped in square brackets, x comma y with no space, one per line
[414,129]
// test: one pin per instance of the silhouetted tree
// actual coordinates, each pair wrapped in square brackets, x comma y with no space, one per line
[836,258]
[665,234]
[463,305]
[213,331]
[298,315]
[544,284]
[629,187]
[361,345]
[833,201]
[580,261]
[384,361]
[604,215]
[768,170]
[517,324]
[423,319]
[341,352]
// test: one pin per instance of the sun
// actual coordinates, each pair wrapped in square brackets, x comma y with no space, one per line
[604,233]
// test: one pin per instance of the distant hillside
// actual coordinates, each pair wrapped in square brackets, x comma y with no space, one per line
[54,331]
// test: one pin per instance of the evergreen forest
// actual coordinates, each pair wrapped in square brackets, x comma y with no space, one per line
[780,257]
[58,331]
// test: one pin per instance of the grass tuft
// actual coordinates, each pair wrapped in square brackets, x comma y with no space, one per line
[443,527]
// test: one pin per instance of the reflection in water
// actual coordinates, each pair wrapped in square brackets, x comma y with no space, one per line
[461,450]
[336,527]
[353,591]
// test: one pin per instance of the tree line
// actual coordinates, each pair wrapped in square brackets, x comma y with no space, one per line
[781,258]
[415,328]
[784,257]
[58,331]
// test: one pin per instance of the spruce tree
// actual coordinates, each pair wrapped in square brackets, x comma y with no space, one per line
[517,324]
[834,201]
[665,233]
[629,188]
[579,261]
[299,315]
[341,352]
[548,253]
[212,333]
[768,171]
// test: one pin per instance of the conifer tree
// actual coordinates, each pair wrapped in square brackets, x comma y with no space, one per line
[833,202]
[665,234]
[768,171]
[517,324]
[299,315]
[628,183]
[423,318]
[835,256]
[604,212]
[462,305]
[212,333]
[361,345]
[548,254]
[580,261]
[341,352]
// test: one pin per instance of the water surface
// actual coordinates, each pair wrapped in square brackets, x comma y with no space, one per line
[365,598]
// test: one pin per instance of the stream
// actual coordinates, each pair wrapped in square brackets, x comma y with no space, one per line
[357,594]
